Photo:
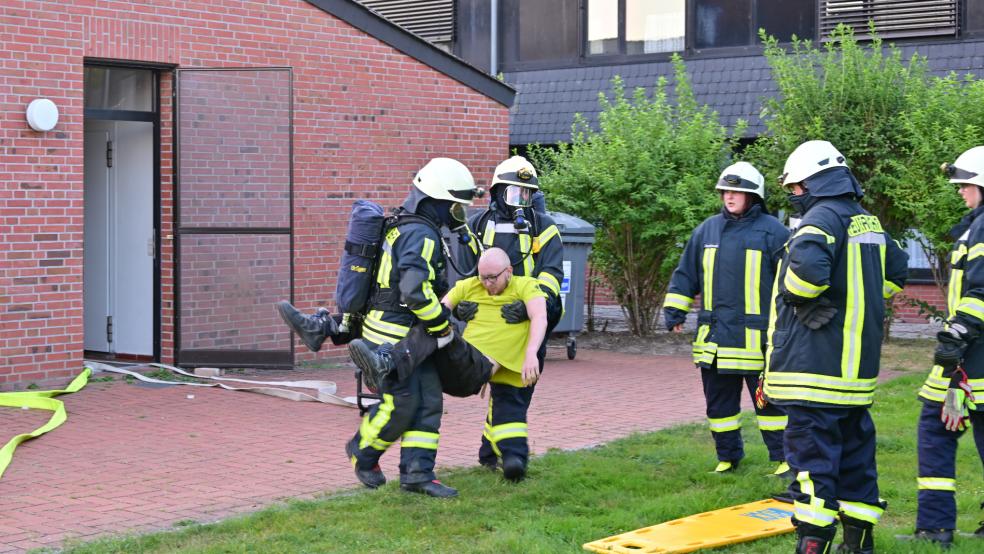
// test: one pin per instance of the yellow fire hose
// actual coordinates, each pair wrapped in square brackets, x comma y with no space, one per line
[39,400]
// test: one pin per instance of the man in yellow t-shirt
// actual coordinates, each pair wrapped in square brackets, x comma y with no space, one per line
[512,343]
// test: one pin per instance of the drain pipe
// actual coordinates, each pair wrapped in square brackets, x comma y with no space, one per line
[494,39]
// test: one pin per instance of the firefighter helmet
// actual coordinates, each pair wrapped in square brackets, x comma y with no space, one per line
[742,177]
[969,168]
[808,159]
[447,179]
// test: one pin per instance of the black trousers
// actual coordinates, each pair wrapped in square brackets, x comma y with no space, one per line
[937,466]
[722,392]
[410,410]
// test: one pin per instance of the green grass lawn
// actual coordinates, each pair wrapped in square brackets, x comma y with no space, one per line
[580,496]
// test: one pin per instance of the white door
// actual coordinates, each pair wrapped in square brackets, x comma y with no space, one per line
[119,249]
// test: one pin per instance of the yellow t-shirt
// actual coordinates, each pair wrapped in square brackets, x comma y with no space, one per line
[489,332]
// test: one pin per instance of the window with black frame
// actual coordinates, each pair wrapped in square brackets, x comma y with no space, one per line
[537,31]
[634,27]
[723,23]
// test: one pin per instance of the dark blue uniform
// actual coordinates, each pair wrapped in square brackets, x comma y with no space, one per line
[825,378]
[937,445]
[731,262]
[410,280]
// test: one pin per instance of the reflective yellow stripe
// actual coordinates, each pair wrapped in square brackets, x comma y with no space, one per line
[773,315]
[820,388]
[508,431]
[862,511]
[373,424]
[677,301]
[419,439]
[972,307]
[488,237]
[386,260]
[375,317]
[827,381]
[936,484]
[549,281]
[472,240]
[426,252]
[954,291]
[976,251]
[724,424]
[772,423]
[708,265]
[815,512]
[853,314]
[547,234]
[753,281]
[890,289]
[799,287]
[703,351]
[525,247]
[811,230]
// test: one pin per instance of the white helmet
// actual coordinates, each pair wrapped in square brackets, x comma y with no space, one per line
[446,179]
[742,177]
[969,167]
[808,159]
[517,170]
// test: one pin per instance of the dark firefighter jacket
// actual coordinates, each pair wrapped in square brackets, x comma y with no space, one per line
[965,303]
[841,253]
[731,262]
[536,251]
[410,281]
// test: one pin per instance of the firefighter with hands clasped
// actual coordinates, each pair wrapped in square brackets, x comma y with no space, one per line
[730,260]
[958,374]
[825,335]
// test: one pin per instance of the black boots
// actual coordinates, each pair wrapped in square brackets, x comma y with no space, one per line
[431,488]
[513,468]
[311,329]
[941,537]
[857,536]
[813,539]
[375,366]
[372,477]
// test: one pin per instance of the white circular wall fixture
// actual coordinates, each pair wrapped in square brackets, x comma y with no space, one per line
[42,114]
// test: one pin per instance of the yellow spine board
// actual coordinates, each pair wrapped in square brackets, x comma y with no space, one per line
[735,524]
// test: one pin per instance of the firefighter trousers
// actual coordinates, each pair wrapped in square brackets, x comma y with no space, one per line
[832,451]
[409,410]
[506,432]
[722,391]
[937,467]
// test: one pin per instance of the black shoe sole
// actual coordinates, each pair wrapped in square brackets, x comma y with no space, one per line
[513,469]
[286,309]
[368,483]
[364,357]
[420,490]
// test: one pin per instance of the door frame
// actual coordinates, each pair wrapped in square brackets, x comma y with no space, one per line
[155,118]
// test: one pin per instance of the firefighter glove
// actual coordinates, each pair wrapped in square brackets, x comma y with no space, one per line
[515,312]
[950,346]
[959,401]
[465,310]
[760,400]
[817,313]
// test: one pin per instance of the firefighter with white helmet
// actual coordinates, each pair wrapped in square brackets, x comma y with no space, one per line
[730,262]
[957,376]
[825,335]
[532,240]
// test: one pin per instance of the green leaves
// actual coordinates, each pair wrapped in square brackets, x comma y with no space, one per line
[646,178]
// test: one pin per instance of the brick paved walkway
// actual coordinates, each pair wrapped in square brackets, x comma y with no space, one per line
[132,458]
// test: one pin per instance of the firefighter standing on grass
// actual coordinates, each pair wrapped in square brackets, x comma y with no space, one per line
[825,338]
[730,260]
[410,280]
[533,243]
[958,375]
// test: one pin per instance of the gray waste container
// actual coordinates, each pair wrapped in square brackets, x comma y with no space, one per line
[578,236]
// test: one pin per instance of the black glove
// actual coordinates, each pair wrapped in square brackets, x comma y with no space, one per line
[817,313]
[465,310]
[443,331]
[951,343]
[515,312]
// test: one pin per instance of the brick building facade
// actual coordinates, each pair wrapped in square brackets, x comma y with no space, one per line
[285,111]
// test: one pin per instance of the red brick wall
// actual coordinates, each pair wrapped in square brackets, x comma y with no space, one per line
[365,118]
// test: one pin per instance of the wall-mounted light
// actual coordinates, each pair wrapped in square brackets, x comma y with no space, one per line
[42,114]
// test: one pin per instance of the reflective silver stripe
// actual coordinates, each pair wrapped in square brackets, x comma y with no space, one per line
[867,238]
[505,228]
[753,284]
[723,424]
[854,311]
[936,484]
[488,237]
[859,510]
[816,380]
[710,250]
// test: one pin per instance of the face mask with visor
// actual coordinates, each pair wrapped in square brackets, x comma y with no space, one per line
[517,196]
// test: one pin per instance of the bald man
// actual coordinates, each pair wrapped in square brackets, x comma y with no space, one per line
[513,344]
